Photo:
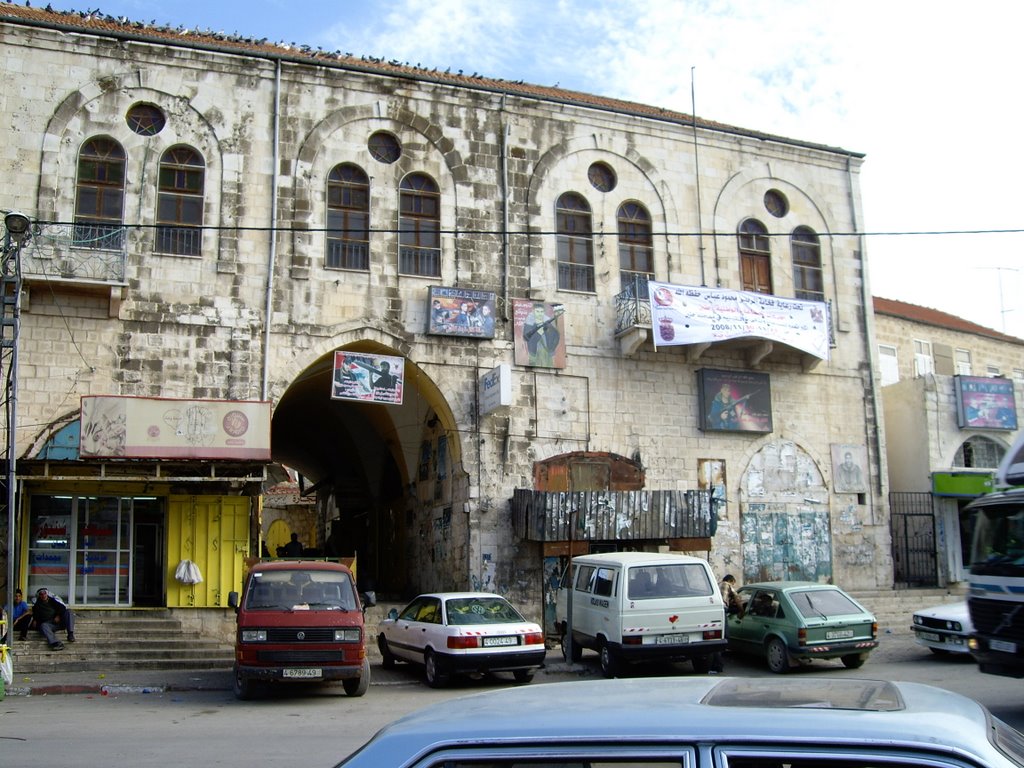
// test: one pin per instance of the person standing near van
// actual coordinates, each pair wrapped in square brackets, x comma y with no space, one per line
[733,605]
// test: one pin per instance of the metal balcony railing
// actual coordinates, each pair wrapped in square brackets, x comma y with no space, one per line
[632,307]
[88,252]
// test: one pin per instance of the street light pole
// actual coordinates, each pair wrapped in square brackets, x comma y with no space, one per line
[18,228]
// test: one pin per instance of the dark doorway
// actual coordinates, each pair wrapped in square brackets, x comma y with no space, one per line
[147,557]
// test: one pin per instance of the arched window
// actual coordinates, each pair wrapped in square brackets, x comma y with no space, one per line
[755,257]
[575,240]
[348,218]
[179,210]
[99,195]
[979,452]
[419,224]
[636,249]
[807,279]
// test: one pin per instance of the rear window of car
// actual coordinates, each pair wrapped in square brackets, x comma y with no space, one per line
[481,610]
[815,603]
[653,582]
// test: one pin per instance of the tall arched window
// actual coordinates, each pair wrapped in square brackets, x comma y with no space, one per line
[979,452]
[99,195]
[575,243]
[348,218]
[419,224]
[636,249]
[807,279]
[179,211]
[755,257]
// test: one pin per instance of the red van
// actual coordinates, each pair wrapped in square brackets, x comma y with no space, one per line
[299,621]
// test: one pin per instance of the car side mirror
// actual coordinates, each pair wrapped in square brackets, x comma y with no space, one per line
[369,598]
[393,614]
[233,600]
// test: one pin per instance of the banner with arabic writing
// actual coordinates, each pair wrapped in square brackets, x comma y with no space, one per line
[682,314]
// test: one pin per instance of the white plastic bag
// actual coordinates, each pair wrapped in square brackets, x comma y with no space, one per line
[7,669]
[188,572]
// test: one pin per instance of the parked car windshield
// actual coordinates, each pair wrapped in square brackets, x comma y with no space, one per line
[651,582]
[815,603]
[276,590]
[998,544]
[481,610]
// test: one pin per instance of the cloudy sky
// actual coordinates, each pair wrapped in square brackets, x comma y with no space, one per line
[928,91]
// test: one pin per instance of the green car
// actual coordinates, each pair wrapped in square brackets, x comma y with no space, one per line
[793,622]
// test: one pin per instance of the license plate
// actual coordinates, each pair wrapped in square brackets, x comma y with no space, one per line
[302,672]
[1002,645]
[930,637]
[490,642]
[672,639]
[839,634]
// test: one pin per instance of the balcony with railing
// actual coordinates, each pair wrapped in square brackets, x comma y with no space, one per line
[633,327]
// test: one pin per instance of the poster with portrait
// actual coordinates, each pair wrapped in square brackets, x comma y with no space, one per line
[711,477]
[368,378]
[985,402]
[539,333]
[849,468]
[461,312]
[734,401]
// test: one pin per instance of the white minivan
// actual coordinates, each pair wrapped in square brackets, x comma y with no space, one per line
[641,606]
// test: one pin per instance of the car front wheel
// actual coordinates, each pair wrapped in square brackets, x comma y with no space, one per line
[387,658]
[777,655]
[577,649]
[522,676]
[243,686]
[609,662]
[436,676]
[358,686]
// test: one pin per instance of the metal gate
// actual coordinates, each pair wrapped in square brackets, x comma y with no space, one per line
[912,520]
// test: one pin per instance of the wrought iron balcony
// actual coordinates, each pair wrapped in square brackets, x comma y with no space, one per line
[88,253]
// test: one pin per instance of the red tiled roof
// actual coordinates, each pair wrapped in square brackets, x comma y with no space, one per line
[122,27]
[939,319]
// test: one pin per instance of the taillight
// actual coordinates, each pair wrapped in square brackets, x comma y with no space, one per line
[874,630]
[461,642]
[801,636]
[632,640]
[712,634]
[534,638]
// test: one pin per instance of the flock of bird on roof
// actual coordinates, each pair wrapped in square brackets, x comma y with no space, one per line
[97,15]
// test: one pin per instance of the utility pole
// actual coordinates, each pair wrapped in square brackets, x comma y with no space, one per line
[18,232]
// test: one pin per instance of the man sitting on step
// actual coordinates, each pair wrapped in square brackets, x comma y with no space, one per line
[50,616]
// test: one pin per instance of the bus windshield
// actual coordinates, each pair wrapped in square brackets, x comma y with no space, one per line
[998,544]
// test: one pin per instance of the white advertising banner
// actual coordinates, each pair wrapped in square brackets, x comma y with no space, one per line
[495,389]
[159,428]
[683,314]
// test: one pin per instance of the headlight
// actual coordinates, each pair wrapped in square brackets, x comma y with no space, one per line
[955,626]
[254,635]
[350,635]
[918,620]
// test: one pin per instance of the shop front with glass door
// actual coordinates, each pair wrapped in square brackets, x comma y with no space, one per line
[96,550]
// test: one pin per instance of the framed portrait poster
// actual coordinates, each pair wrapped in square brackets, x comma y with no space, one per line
[849,468]
[734,401]
[539,333]
[368,378]
[461,312]
[984,402]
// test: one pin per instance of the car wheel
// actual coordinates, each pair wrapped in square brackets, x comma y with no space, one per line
[243,686]
[609,662]
[777,655]
[854,660]
[522,675]
[701,664]
[387,658]
[577,650]
[357,686]
[436,677]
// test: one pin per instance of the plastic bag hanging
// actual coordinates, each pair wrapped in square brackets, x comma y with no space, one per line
[188,572]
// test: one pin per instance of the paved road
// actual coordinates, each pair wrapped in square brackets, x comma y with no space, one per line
[191,718]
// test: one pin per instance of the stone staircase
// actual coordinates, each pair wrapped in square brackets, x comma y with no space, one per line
[894,609]
[123,640]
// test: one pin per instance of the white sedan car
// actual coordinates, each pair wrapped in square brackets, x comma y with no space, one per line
[462,633]
[944,628]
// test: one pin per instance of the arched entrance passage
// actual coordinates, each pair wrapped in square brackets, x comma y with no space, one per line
[375,468]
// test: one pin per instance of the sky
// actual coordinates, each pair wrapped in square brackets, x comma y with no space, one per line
[927,91]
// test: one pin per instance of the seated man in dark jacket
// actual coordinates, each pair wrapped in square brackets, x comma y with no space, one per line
[50,615]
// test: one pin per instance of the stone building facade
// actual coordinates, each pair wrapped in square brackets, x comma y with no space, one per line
[951,394]
[218,218]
